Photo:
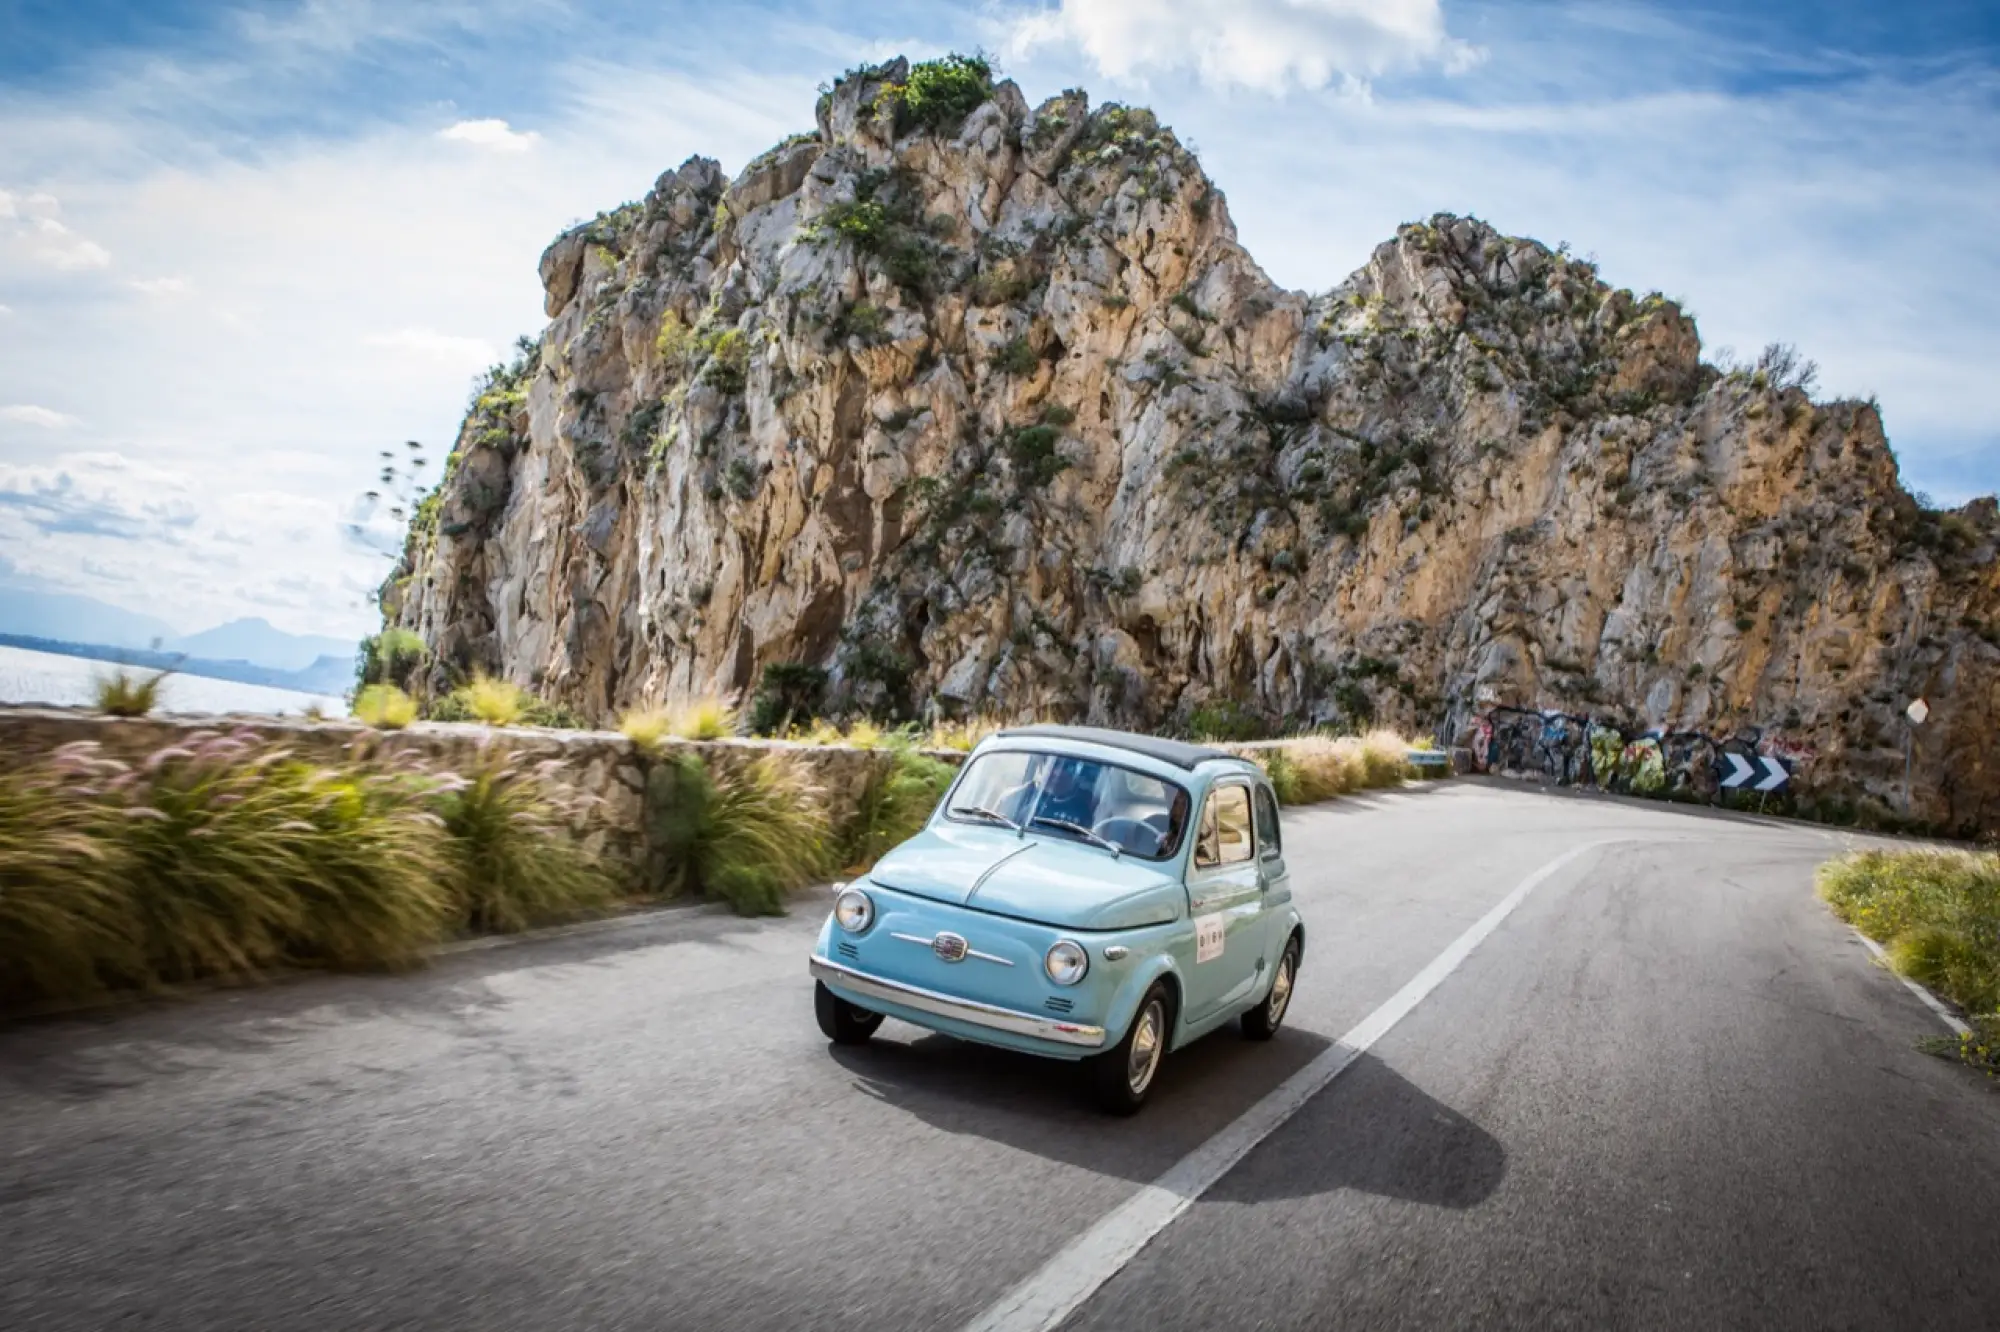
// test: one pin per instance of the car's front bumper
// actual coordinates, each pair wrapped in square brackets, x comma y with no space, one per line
[864,987]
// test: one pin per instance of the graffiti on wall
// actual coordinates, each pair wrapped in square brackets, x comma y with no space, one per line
[1587,752]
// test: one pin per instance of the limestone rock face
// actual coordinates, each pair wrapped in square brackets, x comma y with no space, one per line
[1002,418]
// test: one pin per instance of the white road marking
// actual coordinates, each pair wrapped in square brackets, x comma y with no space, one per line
[1930,1000]
[1060,1286]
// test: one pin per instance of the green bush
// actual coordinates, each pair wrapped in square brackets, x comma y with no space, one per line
[866,322]
[939,94]
[124,694]
[515,865]
[897,801]
[1225,719]
[728,368]
[1936,913]
[748,837]
[1015,357]
[881,221]
[787,692]
[1033,452]
[392,657]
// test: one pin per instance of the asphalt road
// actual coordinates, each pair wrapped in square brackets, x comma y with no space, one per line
[1668,1090]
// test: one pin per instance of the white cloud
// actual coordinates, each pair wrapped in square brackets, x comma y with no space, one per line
[26,413]
[31,226]
[350,289]
[165,286]
[98,495]
[442,348]
[1269,45]
[495,134]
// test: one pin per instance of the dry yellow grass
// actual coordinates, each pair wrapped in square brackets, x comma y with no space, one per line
[384,707]
[962,735]
[707,718]
[495,701]
[1308,769]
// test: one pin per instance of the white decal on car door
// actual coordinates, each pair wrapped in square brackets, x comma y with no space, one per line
[1209,932]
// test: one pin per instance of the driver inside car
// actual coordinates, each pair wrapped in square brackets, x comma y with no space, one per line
[1070,794]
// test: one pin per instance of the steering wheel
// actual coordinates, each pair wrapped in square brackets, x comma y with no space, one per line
[1138,837]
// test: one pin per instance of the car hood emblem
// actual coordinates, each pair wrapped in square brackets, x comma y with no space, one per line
[949,947]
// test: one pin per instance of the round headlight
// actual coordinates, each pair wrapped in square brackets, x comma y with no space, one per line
[854,911]
[1066,962]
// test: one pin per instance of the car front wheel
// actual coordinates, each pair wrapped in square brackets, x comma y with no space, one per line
[843,1023]
[1261,1022]
[1123,1076]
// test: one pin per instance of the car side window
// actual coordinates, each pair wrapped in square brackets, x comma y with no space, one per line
[1224,835]
[1267,824]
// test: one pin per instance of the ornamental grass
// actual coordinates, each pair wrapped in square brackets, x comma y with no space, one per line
[226,856]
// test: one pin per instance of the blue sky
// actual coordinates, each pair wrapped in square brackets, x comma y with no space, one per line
[243,248]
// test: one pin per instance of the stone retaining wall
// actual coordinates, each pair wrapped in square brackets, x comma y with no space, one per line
[604,766]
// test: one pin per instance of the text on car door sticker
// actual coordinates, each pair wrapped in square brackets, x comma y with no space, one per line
[1208,933]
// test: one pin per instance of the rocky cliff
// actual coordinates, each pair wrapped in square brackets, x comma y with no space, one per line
[986,410]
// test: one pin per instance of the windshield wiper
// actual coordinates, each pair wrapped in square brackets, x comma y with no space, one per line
[1068,825]
[985,813]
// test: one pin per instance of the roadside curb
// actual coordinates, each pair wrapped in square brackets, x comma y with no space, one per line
[131,1001]
[602,925]
[1931,1001]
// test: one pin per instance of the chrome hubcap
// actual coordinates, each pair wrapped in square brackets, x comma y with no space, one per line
[1281,989]
[1146,1042]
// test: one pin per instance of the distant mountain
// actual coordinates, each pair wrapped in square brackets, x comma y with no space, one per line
[81,619]
[326,675]
[255,639]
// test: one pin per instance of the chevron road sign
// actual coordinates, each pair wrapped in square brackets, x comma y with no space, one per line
[1758,772]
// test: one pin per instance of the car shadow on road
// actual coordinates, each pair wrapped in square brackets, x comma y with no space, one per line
[1372,1130]
[1375,1132]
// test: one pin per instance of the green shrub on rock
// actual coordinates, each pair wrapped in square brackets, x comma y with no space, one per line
[939,94]
[392,657]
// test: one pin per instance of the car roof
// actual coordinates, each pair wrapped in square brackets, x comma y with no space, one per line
[1176,753]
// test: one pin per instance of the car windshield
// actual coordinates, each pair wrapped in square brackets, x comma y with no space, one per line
[1083,799]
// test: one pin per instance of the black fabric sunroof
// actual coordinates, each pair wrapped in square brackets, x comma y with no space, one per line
[1177,752]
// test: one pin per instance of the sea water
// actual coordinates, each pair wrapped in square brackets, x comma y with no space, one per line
[45,677]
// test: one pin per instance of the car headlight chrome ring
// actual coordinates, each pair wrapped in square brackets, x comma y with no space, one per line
[854,911]
[1066,962]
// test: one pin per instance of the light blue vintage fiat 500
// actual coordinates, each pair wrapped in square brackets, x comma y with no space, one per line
[1078,893]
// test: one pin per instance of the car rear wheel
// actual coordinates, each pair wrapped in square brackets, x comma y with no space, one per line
[1122,1077]
[1261,1022]
[843,1023]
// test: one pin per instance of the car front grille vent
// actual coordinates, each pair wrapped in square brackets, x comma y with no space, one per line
[847,950]
[1058,1004]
